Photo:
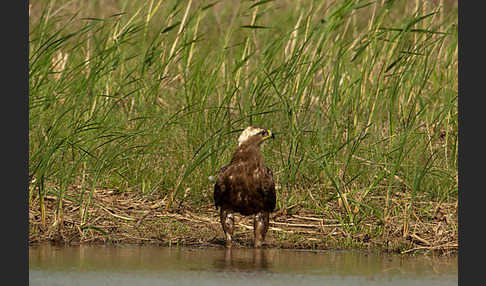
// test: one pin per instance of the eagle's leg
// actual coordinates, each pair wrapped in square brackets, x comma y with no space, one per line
[227,221]
[260,227]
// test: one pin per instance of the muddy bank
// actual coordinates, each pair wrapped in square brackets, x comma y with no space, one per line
[129,218]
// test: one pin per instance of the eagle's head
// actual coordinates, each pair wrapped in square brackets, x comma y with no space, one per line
[254,135]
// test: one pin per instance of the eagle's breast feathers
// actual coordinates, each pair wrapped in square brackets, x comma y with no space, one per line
[246,185]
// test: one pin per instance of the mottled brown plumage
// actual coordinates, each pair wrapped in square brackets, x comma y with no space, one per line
[246,186]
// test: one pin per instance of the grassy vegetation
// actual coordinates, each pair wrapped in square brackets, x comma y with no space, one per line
[149,97]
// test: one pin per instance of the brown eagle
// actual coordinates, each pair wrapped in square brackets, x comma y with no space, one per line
[246,186]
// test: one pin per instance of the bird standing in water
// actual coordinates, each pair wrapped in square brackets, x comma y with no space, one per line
[246,186]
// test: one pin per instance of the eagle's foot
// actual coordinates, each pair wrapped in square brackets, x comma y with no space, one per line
[227,221]
[260,227]
[228,242]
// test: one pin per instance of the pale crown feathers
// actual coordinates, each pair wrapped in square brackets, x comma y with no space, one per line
[247,133]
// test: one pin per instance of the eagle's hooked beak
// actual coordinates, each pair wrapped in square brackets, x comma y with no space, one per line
[270,135]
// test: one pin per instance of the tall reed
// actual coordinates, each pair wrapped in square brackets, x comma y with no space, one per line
[149,96]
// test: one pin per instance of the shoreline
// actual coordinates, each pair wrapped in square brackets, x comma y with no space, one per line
[127,218]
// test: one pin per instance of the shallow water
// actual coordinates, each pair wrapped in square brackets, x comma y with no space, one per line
[151,265]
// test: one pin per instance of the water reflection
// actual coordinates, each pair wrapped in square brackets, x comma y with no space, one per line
[242,261]
[152,265]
